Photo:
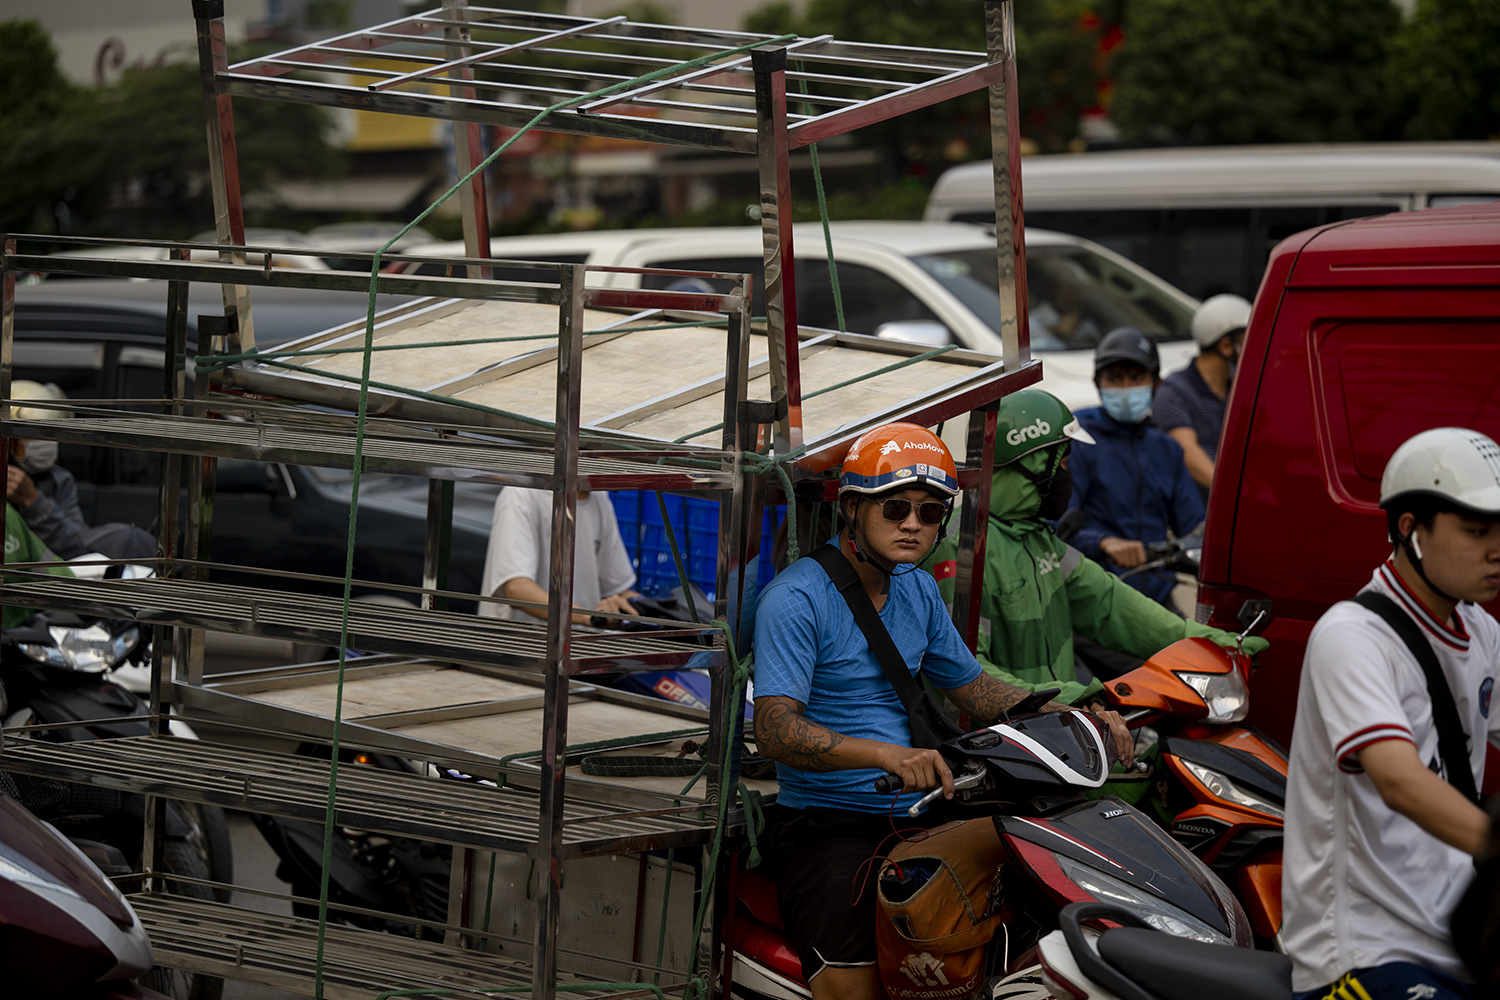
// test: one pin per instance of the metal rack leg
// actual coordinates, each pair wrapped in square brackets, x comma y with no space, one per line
[559,632]
[1010,225]
[468,150]
[223,160]
[769,65]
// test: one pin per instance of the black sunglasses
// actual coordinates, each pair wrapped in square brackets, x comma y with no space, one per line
[929,512]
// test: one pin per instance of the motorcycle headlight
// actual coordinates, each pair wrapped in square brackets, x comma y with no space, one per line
[94,649]
[1227,790]
[1226,696]
[1154,911]
[48,656]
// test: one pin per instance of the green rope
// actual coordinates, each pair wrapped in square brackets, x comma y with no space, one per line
[833,267]
[666,894]
[359,443]
[755,822]
[682,577]
[739,677]
[666,883]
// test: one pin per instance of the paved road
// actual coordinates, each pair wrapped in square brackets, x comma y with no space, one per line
[255,867]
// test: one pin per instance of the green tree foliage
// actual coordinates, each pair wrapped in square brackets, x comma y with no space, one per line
[1444,70]
[1237,71]
[1057,45]
[133,156]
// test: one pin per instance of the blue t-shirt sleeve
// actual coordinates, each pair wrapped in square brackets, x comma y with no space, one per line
[786,644]
[1169,409]
[947,661]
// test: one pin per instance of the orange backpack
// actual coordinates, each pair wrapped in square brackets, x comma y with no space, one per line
[934,898]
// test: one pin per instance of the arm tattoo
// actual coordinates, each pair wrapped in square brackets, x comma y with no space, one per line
[782,734]
[986,697]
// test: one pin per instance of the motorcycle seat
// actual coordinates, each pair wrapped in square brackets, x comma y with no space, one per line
[757,894]
[1175,968]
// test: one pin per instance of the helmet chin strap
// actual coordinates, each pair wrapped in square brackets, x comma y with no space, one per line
[1413,548]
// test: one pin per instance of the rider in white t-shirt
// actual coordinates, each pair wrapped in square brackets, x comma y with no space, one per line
[1379,844]
[518,561]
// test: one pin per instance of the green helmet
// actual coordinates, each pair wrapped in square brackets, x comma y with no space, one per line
[1030,420]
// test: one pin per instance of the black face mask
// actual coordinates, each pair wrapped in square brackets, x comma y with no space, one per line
[1055,496]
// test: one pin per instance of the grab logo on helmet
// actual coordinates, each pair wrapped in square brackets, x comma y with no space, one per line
[1018,435]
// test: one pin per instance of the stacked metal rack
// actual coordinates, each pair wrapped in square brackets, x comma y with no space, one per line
[511,415]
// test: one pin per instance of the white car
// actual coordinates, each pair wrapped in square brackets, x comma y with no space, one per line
[930,283]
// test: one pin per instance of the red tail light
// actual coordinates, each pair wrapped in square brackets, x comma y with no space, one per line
[1220,605]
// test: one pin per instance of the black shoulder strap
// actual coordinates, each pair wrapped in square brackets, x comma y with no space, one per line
[1453,740]
[868,620]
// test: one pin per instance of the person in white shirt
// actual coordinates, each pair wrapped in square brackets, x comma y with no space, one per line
[1379,838]
[517,564]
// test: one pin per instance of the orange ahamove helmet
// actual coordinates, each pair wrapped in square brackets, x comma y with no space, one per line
[896,457]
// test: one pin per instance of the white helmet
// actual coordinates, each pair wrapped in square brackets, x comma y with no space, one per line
[25,389]
[1456,466]
[1218,315]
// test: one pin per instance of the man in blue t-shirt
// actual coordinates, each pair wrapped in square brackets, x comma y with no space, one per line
[825,712]
[1190,403]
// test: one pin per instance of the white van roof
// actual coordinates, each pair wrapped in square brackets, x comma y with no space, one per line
[1228,176]
[608,245]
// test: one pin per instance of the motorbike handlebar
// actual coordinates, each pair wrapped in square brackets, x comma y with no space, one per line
[889,783]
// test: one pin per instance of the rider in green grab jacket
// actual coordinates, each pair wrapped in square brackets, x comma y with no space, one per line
[1038,590]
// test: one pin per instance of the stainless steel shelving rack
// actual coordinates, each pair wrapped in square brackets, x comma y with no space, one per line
[475,66]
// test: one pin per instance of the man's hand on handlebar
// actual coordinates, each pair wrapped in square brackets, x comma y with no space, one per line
[1123,552]
[919,770]
[1124,742]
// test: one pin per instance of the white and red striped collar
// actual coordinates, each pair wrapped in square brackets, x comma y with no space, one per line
[1390,581]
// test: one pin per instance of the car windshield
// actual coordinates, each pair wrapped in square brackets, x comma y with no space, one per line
[1075,296]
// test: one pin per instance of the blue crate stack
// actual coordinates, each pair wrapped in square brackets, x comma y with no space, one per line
[695,523]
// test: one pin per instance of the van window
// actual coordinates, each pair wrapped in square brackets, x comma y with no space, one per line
[870,298]
[1454,380]
[1441,200]
[1203,251]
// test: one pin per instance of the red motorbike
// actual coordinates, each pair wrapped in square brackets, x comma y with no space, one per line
[1225,783]
[65,930]
[1031,774]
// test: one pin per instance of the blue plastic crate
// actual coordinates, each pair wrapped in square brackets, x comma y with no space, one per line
[702,516]
[651,510]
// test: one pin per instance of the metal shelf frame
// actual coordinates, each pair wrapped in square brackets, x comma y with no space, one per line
[475,65]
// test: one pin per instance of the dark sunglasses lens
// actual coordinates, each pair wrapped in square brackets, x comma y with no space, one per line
[898,510]
[932,513]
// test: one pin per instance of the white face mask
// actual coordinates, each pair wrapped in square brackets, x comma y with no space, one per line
[40,456]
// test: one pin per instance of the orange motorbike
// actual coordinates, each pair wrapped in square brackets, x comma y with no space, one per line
[1224,784]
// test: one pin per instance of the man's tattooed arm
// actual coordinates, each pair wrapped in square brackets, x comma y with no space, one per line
[986,697]
[782,734]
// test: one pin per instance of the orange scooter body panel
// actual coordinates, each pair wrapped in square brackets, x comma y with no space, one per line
[1155,686]
[1260,894]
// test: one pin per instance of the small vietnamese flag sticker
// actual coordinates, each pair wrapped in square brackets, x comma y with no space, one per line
[945,570]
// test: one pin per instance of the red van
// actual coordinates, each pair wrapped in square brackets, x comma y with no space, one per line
[1363,333]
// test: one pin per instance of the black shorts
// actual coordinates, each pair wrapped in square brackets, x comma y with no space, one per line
[827,863]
